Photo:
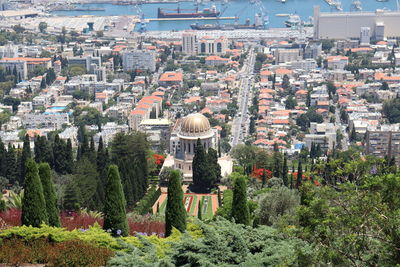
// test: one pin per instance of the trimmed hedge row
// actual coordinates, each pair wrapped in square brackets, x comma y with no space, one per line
[145,205]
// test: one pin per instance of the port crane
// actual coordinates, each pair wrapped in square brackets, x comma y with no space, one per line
[142,19]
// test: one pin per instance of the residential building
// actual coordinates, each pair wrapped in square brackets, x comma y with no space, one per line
[139,60]
[189,43]
[383,144]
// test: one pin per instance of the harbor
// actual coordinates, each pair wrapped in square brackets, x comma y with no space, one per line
[235,11]
[180,19]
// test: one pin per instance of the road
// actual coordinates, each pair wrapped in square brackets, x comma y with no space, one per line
[240,125]
[342,127]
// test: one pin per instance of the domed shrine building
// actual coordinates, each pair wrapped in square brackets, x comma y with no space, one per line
[183,142]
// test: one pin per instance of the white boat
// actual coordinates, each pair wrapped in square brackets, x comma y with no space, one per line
[357,5]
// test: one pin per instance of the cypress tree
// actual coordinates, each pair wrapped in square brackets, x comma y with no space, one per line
[69,157]
[49,194]
[3,159]
[11,164]
[39,149]
[353,135]
[115,204]
[199,167]
[59,151]
[285,171]
[240,209]
[175,213]
[81,133]
[71,199]
[213,174]
[26,154]
[199,211]
[277,164]
[33,204]
[264,178]
[299,175]
[219,197]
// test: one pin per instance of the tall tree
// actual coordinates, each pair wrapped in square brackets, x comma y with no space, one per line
[49,194]
[33,204]
[199,215]
[175,213]
[3,159]
[214,169]
[69,157]
[115,204]
[299,175]
[71,198]
[130,154]
[86,179]
[199,167]
[26,154]
[240,209]
[285,171]
[59,148]
[11,164]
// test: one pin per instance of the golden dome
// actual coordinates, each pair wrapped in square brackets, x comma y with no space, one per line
[195,125]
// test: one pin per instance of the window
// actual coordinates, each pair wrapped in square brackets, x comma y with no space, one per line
[219,48]
[203,48]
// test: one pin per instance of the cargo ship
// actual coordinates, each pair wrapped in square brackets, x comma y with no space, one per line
[258,25]
[188,13]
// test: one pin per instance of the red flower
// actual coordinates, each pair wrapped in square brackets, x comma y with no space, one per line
[158,159]
[257,173]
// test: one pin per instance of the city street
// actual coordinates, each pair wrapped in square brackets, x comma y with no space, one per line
[240,125]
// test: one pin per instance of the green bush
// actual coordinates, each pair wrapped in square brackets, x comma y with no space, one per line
[94,235]
[42,250]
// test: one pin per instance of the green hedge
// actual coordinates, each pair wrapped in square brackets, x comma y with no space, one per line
[144,206]
[95,235]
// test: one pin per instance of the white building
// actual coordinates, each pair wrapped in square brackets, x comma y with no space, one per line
[139,60]
[365,35]
[346,25]
[189,43]
[183,142]
[45,120]
[287,55]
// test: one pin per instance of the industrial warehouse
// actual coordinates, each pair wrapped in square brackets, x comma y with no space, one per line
[340,25]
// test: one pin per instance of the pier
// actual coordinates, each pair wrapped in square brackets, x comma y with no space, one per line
[200,18]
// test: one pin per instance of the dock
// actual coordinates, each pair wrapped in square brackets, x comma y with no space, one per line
[200,18]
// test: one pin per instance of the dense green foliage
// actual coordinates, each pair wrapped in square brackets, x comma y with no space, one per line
[26,154]
[221,243]
[240,209]
[175,213]
[115,219]
[130,152]
[49,194]
[33,204]
[391,109]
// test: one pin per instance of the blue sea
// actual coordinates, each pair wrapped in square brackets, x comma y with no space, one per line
[242,9]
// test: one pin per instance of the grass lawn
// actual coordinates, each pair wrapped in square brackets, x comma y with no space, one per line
[208,214]
[193,206]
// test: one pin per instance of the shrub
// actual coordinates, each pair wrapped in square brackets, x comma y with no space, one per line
[75,220]
[42,250]
[94,235]
[11,217]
